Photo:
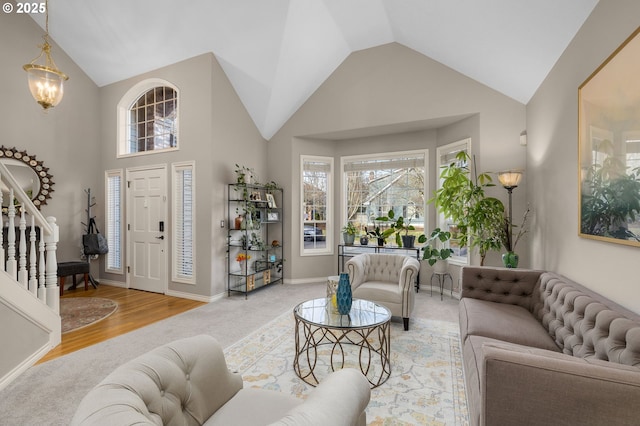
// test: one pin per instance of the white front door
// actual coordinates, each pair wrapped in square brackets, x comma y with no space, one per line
[147,226]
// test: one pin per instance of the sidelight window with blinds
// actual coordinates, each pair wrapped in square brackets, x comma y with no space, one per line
[184,222]
[113,195]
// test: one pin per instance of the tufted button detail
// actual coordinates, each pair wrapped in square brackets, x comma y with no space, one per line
[161,392]
[188,376]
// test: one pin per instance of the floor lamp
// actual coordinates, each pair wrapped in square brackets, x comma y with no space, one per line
[509,180]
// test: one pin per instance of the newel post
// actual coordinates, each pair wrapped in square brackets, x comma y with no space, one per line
[51,266]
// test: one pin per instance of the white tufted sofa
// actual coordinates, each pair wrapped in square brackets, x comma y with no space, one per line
[187,382]
[387,279]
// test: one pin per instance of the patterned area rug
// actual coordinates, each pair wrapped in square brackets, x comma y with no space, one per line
[426,386]
[78,312]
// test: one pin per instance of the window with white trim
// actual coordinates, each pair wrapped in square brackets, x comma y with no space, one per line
[184,224]
[375,184]
[446,155]
[317,200]
[113,195]
[148,119]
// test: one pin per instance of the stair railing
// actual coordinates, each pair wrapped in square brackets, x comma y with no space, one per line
[38,273]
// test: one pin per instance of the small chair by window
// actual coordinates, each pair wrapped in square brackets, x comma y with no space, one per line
[387,279]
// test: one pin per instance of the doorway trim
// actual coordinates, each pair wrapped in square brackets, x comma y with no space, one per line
[128,209]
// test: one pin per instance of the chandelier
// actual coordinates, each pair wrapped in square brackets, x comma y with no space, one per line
[45,81]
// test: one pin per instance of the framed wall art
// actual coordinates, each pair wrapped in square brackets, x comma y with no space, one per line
[609,148]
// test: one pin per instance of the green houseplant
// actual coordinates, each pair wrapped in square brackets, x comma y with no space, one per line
[478,217]
[430,252]
[349,232]
[378,233]
[401,228]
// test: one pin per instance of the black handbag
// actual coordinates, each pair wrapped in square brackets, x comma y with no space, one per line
[94,242]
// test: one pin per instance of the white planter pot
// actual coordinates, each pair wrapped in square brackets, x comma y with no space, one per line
[440,267]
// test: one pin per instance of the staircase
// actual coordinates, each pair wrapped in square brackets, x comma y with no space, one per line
[29,292]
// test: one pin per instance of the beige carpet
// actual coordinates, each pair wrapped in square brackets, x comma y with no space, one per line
[79,312]
[426,386]
[61,383]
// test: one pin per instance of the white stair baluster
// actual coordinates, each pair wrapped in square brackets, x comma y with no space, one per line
[12,267]
[23,276]
[51,267]
[33,279]
[42,294]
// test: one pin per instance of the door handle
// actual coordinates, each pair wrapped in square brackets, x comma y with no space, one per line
[161,237]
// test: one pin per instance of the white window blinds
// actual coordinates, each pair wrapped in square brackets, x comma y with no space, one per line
[114,220]
[184,222]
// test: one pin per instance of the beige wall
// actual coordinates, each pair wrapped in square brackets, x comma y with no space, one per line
[215,131]
[65,138]
[392,86]
[552,117]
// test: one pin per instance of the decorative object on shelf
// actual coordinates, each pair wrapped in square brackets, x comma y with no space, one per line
[238,222]
[349,232]
[343,294]
[609,184]
[251,282]
[46,82]
[273,216]
[242,259]
[271,201]
[37,183]
[364,240]
[255,196]
[510,180]
[275,243]
[244,175]
[462,199]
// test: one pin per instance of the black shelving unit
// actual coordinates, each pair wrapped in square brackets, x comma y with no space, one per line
[255,232]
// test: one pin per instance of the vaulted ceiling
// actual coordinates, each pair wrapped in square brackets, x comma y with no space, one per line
[276,53]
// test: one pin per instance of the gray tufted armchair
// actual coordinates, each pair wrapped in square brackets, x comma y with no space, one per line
[387,279]
[187,383]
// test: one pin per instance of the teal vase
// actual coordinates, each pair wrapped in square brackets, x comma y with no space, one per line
[343,294]
[510,259]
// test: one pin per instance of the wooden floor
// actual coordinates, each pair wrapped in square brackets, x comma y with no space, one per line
[136,309]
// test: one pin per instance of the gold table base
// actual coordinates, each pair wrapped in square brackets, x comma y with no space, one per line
[374,344]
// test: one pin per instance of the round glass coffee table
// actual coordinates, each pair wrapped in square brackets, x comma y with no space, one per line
[326,340]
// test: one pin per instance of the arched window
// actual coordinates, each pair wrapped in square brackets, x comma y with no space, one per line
[148,118]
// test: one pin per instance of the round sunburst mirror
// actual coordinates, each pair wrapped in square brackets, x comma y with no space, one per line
[31,174]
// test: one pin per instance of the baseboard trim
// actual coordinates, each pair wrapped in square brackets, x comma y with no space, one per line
[305,280]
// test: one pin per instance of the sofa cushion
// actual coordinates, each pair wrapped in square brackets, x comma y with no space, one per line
[252,407]
[500,321]
[585,324]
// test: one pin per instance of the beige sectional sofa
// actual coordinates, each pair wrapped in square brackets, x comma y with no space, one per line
[539,349]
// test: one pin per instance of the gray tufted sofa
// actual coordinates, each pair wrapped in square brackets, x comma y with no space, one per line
[187,382]
[539,349]
[387,279]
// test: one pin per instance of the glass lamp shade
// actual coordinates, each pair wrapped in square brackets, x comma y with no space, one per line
[46,84]
[510,179]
